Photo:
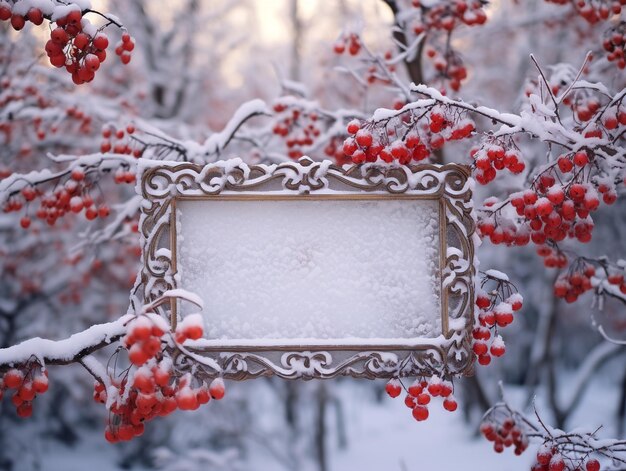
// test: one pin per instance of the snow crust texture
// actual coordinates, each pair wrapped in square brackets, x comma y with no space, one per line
[324,269]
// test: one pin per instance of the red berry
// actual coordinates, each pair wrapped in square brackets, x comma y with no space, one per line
[423,399]
[364,138]
[5,12]
[101,41]
[35,16]
[40,384]
[137,356]
[81,41]
[393,388]
[592,465]
[581,159]
[420,413]
[480,348]
[74,17]
[187,400]
[415,389]
[353,126]
[557,463]
[92,62]
[216,389]
[18,22]
[13,379]
[339,47]
[25,410]
[450,404]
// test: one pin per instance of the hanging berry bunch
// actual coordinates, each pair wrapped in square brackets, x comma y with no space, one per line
[348,41]
[585,274]
[73,196]
[75,43]
[493,155]
[406,136]
[420,393]
[26,381]
[153,390]
[334,150]
[594,11]
[442,18]
[446,15]
[558,450]
[297,124]
[496,301]
[553,257]
[121,140]
[153,386]
[505,430]
[615,44]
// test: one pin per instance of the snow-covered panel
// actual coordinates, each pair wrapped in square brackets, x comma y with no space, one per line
[340,269]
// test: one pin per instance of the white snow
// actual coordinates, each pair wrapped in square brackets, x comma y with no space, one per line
[498,275]
[318,269]
[63,350]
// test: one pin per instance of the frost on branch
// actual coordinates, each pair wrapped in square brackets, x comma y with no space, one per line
[558,450]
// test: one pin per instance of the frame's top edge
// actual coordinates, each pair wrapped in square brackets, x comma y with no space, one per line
[304,162]
[305,176]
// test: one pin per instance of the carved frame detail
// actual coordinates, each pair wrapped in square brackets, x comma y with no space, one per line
[162,185]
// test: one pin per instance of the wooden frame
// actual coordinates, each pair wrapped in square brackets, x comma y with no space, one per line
[162,186]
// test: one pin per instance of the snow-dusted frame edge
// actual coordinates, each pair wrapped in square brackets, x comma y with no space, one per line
[162,185]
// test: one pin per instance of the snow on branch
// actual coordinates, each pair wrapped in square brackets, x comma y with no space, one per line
[62,352]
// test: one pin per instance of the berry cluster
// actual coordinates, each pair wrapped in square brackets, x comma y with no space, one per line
[552,257]
[191,327]
[550,212]
[154,391]
[493,155]
[334,149]
[71,197]
[594,10]
[297,125]
[615,44]
[143,338]
[508,434]
[124,47]
[349,41]
[420,393]
[448,65]
[495,311]
[119,141]
[30,95]
[571,285]
[578,280]
[26,383]
[550,459]
[74,43]
[369,142]
[447,15]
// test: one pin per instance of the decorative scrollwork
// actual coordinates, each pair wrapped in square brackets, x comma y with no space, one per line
[450,354]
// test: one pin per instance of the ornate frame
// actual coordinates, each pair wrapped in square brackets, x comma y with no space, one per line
[162,185]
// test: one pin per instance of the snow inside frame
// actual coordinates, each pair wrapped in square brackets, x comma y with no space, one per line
[163,185]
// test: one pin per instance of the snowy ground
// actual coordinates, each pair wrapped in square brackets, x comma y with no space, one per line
[382,436]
